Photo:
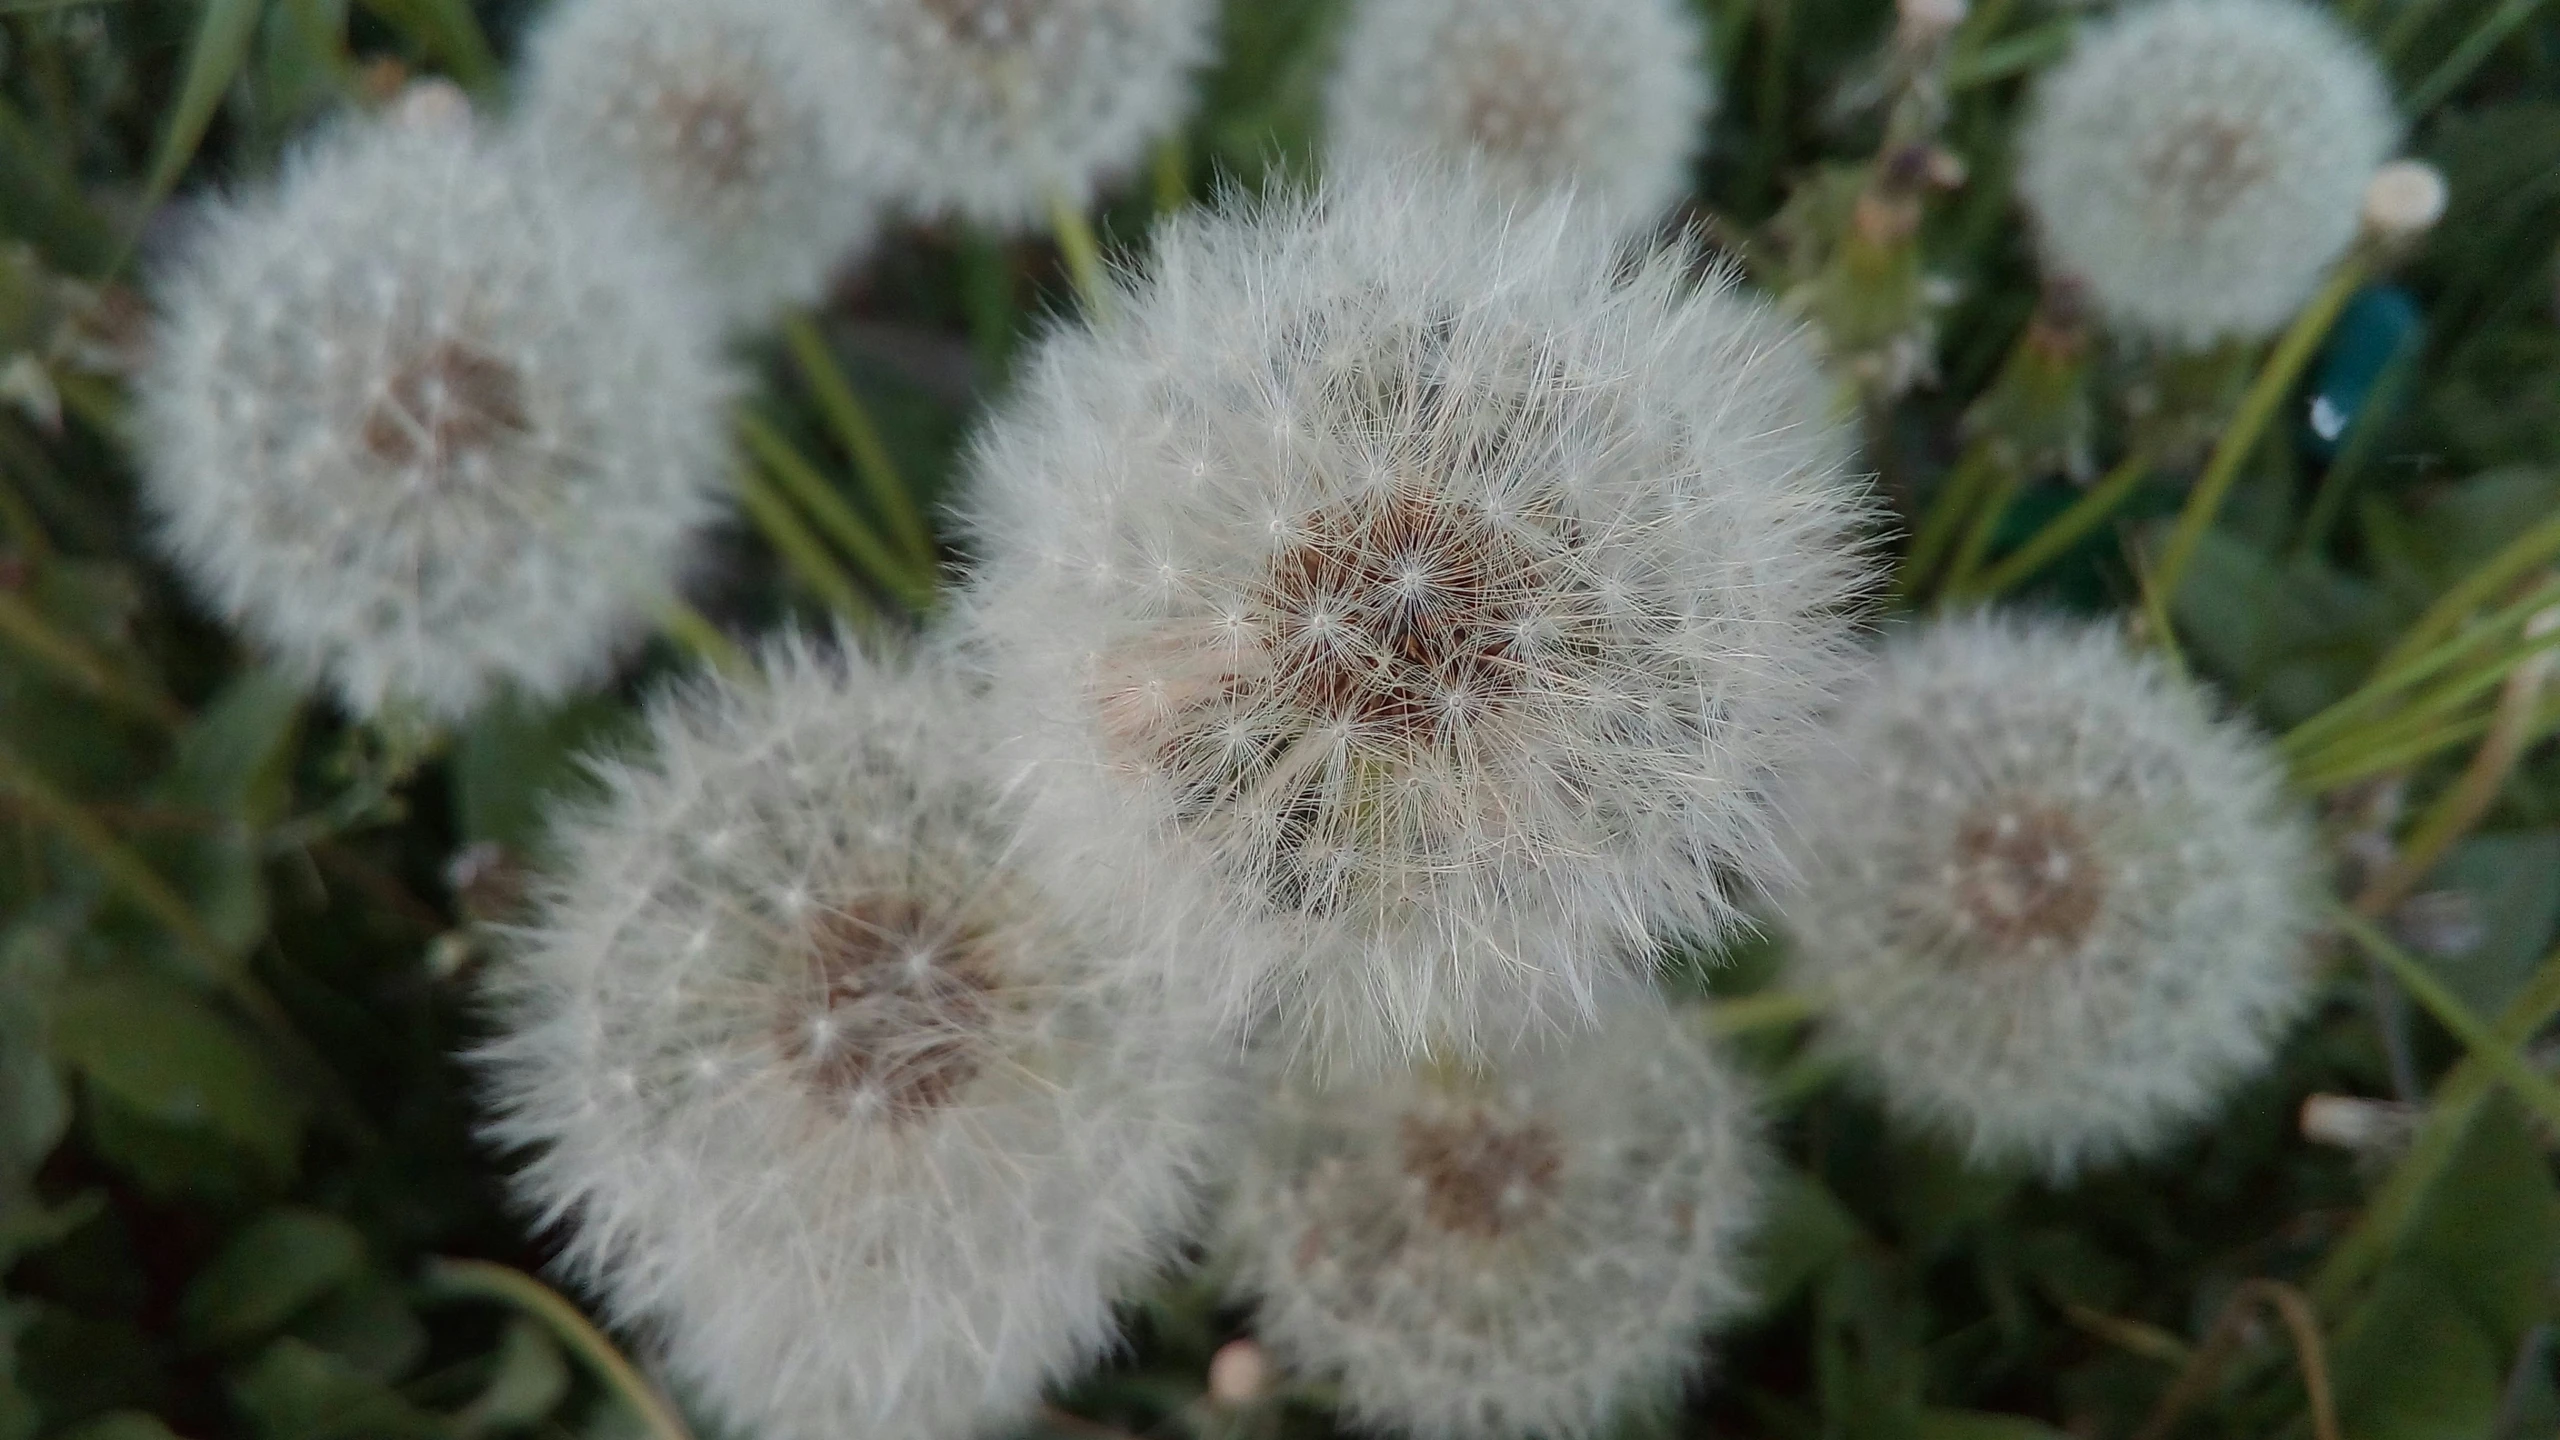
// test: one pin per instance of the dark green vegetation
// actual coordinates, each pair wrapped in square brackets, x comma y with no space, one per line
[236,933]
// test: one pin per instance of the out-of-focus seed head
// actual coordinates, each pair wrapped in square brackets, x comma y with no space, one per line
[741,122]
[2198,163]
[2403,201]
[828,1096]
[2058,909]
[1531,1250]
[1420,597]
[1605,97]
[426,424]
[994,110]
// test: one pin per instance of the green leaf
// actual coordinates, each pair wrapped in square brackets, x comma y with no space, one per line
[527,1382]
[516,759]
[175,1060]
[1980,1425]
[445,30]
[296,1391]
[2511,883]
[41,204]
[122,1425]
[2423,1370]
[223,31]
[2292,637]
[276,1265]
[369,1325]
[34,1110]
[1807,1230]
[237,758]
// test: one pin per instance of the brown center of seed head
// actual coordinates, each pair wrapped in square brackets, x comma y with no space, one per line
[2025,877]
[714,129]
[893,1016]
[984,22]
[2204,166]
[1399,615]
[451,401]
[1481,1177]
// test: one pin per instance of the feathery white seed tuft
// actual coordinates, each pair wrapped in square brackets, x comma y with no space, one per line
[426,423]
[827,1093]
[2199,163]
[2058,908]
[1419,599]
[1529,1251]
[1606,97]
[740,122]
[994,110]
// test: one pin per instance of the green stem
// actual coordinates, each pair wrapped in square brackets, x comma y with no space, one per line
[2239,440]
[2451,1111]
[1083,253]
[482,1280]
[2064,530]
[2479,1038]
[2324,775]
[2461,807]
[22,625]
[2394,678]
[1172,174]
[799,548]
[1767,1010]
[860,435]
[697,636]
[801,479]
[2468,56]
[1978,536]
[2522,555]
[2427,711]
[1944,520]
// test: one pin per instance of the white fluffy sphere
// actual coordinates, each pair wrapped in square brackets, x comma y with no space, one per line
[1531,1251]
[1422,598]
[994,109]
[1606,97]
[2199,163]
[741,123]
[426,423]
[826,1094]
[2057,908]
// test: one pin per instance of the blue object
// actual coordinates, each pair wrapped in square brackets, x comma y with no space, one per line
[2379,324]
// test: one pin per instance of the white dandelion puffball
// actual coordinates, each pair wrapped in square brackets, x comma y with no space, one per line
[2199,163]
[825,1091]
[1434,593]
[1530,1251]
[2056,907]
[1606,97]
[994,110]
[739,121]
[425,424]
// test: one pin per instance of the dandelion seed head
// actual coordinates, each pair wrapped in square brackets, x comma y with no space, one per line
[1514,577]
[1606,97]
[885,1142]
[2199,163]
[427,425]
[2060,909]
[1528,1250]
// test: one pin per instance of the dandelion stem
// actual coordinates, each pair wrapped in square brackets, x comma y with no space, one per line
[25,627]
[1083,253]
[799,548]
[2240,438]
[2397,676]
[1978,536]
[482,1280]
[1944,520]
[2535,547]
[2461,807]
[1767,1010]
[1172,174]
[2476,47]
[693,631]
[860,435]
[2061,532]
[801,479]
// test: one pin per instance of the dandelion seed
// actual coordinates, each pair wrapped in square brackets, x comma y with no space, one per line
[2061,910]
[996,110]
[427,425]
[2199,163]
[1606,97]
[739,121]
[1527,1251]
[887,1156]
[1510,578]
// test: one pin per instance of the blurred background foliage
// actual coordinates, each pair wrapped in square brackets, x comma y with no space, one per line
[236,933]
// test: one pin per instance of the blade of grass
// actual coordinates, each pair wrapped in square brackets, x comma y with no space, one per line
[215,56]
[2390,680]
[485,1280]
[1083,254]
[24,627]
[799,548]
[2479,1038]
[447,31]
[783,460]
[859,435]
[2475,49]
[2535,547]
[2061,532]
